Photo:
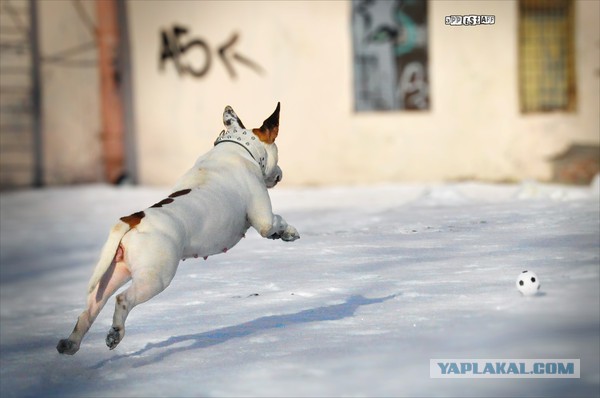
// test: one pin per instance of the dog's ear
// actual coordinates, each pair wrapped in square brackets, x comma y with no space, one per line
[270,128]
[231,120]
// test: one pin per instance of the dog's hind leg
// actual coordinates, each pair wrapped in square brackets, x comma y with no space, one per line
[115,276]
[144,286]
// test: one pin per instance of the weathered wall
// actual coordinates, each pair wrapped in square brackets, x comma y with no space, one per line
[474,128]
[17,127]
[70,94]
[300,53]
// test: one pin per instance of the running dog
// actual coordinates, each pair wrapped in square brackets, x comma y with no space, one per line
[211,208]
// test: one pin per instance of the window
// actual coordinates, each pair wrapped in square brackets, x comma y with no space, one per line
[390,55]
[546,59]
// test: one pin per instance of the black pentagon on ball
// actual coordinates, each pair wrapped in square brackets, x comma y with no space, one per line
[521,283]
[532,279]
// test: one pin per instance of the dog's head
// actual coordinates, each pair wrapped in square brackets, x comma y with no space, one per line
[259,142]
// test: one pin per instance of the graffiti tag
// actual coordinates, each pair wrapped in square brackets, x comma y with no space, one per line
[195,57]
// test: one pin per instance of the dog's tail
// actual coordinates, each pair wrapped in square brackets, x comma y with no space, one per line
[108,252]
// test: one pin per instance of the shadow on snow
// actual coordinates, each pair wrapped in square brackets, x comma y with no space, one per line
[219,336]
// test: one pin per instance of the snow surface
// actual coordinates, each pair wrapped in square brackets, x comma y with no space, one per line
[383,279]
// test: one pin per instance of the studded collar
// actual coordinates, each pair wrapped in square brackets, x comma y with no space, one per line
[249,142]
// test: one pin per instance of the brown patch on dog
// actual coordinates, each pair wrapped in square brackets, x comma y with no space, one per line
[133,219]
[266,136]
[180,193]
[162,202]
[270,127]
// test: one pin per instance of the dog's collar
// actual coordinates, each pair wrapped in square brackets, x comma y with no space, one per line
[249,142]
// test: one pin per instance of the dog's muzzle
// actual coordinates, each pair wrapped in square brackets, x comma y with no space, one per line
[274,178]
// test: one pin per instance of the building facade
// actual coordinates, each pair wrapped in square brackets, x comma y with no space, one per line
[370,92]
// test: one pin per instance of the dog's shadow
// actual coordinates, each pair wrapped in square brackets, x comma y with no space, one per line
[219,336]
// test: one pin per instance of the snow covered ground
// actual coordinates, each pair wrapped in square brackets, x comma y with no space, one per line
[383,279]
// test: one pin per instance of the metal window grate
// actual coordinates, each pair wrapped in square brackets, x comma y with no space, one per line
[546,55]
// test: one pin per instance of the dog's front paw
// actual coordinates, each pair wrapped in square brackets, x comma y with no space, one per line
[290,234]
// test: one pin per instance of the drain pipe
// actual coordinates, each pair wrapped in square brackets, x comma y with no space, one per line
[112,134]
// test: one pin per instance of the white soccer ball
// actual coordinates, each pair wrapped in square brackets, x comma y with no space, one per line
[528,283]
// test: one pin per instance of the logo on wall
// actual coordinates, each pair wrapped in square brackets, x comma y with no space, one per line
[390,55]
[195,57]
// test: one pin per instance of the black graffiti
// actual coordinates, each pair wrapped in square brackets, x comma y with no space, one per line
[198,55]
[224,51]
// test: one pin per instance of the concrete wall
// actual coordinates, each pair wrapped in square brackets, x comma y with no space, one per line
[17,142]
[70,94]
[473,130]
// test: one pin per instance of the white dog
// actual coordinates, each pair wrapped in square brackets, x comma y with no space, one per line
[211,208]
